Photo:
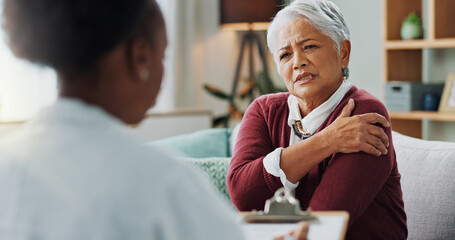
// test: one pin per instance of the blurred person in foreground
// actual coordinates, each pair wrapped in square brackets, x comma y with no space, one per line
[318,140]
[74,171]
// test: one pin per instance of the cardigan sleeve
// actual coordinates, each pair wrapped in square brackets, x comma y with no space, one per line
[249,184]
[351,181]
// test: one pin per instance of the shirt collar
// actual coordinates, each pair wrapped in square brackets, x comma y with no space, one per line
[315,118]
[74,111]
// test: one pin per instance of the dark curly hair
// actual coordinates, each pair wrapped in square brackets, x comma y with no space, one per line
[72,35]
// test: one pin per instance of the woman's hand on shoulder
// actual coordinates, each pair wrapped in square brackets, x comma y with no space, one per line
[357,133]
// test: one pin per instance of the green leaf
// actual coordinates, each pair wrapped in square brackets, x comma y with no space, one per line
[413,18]
[245,91]
[280,89]
[221,120]
[216,92]
[265,84]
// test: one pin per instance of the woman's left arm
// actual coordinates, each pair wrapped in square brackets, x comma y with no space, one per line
[351,181]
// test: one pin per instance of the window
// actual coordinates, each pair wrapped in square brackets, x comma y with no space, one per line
[24,87]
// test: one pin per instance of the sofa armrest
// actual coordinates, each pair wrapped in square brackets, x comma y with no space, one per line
[212,142]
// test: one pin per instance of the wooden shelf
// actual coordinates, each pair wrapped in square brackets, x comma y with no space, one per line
[403,59]
[419,44]
[423,115]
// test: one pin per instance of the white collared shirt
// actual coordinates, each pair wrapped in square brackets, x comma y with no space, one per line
[310,123]
[75,172]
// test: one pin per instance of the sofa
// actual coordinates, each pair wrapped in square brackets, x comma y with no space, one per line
[427,169]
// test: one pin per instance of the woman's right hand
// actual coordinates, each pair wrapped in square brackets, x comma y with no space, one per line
[357,133]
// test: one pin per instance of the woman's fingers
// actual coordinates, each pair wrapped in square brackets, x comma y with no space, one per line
[377,144]
[301,231]
[370,149]
[347,109]
[373,118]
[380,133]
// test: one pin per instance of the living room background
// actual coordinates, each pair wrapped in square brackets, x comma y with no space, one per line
[200,52]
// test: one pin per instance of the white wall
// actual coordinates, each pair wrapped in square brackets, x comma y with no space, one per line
[364,21]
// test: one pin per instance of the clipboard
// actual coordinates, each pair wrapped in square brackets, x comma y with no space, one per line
[281,208]
[282,211]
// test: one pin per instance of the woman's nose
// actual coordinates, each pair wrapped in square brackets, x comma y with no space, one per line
[300,61]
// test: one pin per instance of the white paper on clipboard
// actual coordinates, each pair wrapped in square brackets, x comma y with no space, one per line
[330,227]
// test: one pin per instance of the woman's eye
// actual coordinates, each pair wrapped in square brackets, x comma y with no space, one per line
[309,47]
[285,55]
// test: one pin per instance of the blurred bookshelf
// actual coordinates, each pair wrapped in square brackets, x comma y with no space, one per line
[403,58]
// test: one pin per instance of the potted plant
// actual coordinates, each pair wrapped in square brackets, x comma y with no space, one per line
[411,27]
[252,88]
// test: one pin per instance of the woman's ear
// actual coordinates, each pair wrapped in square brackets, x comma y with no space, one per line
[139,57]
[345,53]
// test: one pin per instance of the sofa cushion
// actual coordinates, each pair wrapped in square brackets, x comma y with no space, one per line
[215,169]
[205,143]
[428,184]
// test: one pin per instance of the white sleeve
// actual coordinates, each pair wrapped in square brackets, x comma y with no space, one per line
[272,165]
[191,209]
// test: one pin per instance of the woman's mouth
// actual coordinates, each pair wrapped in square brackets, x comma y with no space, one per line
[304,78]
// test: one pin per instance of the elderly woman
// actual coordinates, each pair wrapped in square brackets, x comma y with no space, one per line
[306,141]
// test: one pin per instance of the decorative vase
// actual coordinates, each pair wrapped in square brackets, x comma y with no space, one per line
[431,101]
[411,30]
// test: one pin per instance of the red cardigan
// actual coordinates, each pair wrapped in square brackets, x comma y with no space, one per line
[368,187]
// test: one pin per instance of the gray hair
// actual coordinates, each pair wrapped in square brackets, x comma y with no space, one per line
[322,14]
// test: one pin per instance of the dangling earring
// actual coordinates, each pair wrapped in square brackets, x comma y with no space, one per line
[345,72]
[144,75]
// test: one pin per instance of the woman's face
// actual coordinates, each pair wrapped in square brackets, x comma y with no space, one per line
[309,62]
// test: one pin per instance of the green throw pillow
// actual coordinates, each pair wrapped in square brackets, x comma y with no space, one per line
[215,169]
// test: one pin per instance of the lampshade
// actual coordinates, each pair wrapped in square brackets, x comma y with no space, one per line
[248,14]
